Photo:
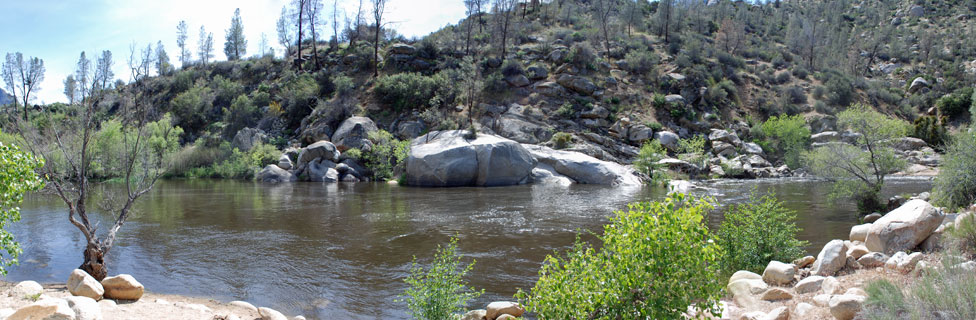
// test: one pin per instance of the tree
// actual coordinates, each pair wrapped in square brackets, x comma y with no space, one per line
[439,292]
[471,7]
[284,30]
[263,46]
[23,77]
[206,46]
[300,6]
[236,46]
[182,33]
[955,187]
[103,74]
[162,60]
[858,170]
[17,178]
[335,25]
[602,11]
[665,12]
[379,8]
[70,88]
[503,18]
[313,13]
[757,232]
[730,35]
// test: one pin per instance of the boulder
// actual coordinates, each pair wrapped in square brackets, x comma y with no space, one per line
[82,284]
[409,129]
[320,150]
[831,259]
[822,300]
[845,306]
[519,128]
[907,263]
[724,136]
[910,144]
[752,148]
[244,305]
[916,11]
[247,138]
[904,228]
[85,308]
[550,89]
[583,168]
[275,174]
[776,294]
[918,84]
[597,112]
[892,263]
[809,284]
[506,317]
[860,232]
[354,133]
[856,291]
[778,273]
[537,72]
[803,262]
[475,315]
[857,251]
[825,137]
[402,48]
[46,309]
[546,174]
[724,149]
[871,218]
[872,260]
[743,275]
[640,133]
[450,159]
[801,310]
[25,289]
[679,166]
[830,285]
[498,308]
[271,314]
[674,99]
[753,315]
[668,139]
[578,84]
[284,162]
[743,291]
[517,81]
[123,287]
[781,313]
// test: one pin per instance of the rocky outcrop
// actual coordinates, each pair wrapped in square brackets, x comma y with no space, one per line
[578,84]
[450,159]
[320,150]
[247,138]
[918,84]
[584,169]
[354,133]
[82,284]
[904,228]
[123,287]
[275,174]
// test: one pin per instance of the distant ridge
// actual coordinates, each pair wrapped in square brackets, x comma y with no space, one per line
[5,98]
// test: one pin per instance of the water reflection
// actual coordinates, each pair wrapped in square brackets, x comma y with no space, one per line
[340,251]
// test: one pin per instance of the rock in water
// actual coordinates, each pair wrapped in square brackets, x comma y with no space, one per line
[275,174]
[904,228]
[82,284]
[450,159]
[123,287]
[322,149]
[583,168]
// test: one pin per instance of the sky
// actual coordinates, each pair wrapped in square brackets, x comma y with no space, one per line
[57,31]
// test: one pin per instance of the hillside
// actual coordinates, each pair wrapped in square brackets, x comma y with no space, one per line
[686,68]
[5,98]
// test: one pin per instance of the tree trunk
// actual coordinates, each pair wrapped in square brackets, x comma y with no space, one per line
[94,263]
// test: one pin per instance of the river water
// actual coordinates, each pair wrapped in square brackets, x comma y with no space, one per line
[341,251]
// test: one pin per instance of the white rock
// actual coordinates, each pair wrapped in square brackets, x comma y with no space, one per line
[860,232]
[107,304]
[776,294]
[778,273]
[809,284]
[198,307]
[82,284]
[25,289]
[802,309]
[845,307]
[803,262]
[781,313]
[904,228]
[754,315]
[85,308]
[475,315]
[743,274]
[298,318]
[123,287]
[46,309]
[967,266]
[743,290]
[857,251]
[498,308]
[831,259]
[872,260]
[822,300]
[857,292]
[907,264]
[271,314]
[6,312]
[244,304]
[830,286]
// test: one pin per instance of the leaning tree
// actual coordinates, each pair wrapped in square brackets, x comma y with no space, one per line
[138,157]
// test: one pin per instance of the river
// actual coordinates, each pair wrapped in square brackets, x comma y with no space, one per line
[341,251]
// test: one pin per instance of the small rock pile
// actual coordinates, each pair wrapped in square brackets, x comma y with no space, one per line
[498,310]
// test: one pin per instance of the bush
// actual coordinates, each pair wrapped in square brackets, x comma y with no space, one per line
[561,140]
[946,292]
[298,96]
[17,178]
[972,110]
[756,232]
[241,114]
[582,55]
[796,95]
[650,153]
[641,62]
[962,236]
[955,187]
[386,154]
[785,137]
[956,103]
[439,292]
[405,91]
[512,67]
[192,107]
[932,130]
[653,261]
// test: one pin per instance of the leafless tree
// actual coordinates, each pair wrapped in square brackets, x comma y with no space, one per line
[283,27]
[335,25]
[23,76]
[70,89]
[206,46]
[313,12]
[731,34]
[379,8]
[603,9]
[300,7]
[503,19]
[182,33]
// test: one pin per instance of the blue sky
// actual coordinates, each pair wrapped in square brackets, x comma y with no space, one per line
[59,30]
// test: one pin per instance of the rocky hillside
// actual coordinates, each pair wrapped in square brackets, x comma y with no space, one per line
[5,98]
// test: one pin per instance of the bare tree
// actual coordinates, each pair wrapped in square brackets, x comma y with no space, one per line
[182,33]
[379,8]
[205,46]
[313,12]
[284,30]
[471,7]
[24,76]
[665,10]
[335,25]
[356,25]
[602,10]
[300,6]
[503,19]
[70,89]
[731,34]
[69,144]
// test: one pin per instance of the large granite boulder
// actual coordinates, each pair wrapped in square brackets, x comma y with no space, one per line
[724,136]
[904,228]
[831,259]
[354,133]
[46,309]
[583,168]
[247,138]
[320,150]
[668,139]
[451,159]
[578,84]
[83,285]
[123,287]
[275,174]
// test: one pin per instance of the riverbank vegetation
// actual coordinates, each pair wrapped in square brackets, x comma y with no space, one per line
[955,187]
[439,292]
[18,176]
[756,232]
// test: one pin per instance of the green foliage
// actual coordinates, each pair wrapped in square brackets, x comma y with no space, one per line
[955,187]
[512,67]
[386,154]
[298,95]
[650,153]
[756,232]
[930,129]
[785,137]
[693,150]
[641,62]
[244,165]
[17,177]
[566,110]
[945,292]
[192,107]
[582,55]
[561,140]
[956,103]
[972,109]
[439,292]
[405,91]
[344,86]
[225,90]
[655,260]
[962,236]
[241,114]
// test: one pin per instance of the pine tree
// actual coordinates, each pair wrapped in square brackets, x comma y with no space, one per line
[236,46]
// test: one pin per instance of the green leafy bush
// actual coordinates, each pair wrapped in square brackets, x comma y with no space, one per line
[956,103]
[785,137]
[945,292]
[962,236]
[756,232]
[439,292]
[405,91]
[582,55]
[641,62]
[561,140]
[241,114]
[653,262]
[955,187]
[650,153]
[386,154]
[192,107]
[930,129]
[17,178]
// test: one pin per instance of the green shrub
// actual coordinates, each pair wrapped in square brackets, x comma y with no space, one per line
[693,150]
[17,178]
[344,86]
[932,130]
[945,292]
[386,154]
[561,140]
[757,232]
[962,236]
[785,137]
[512,67]
[241,114]
[225,90]
[582,55]
[650,153]
[566,110]
[191,108]
[641,62]
[439,292]
[405,91]
[653,262]
[972,110]
[955,187]
[956,103]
